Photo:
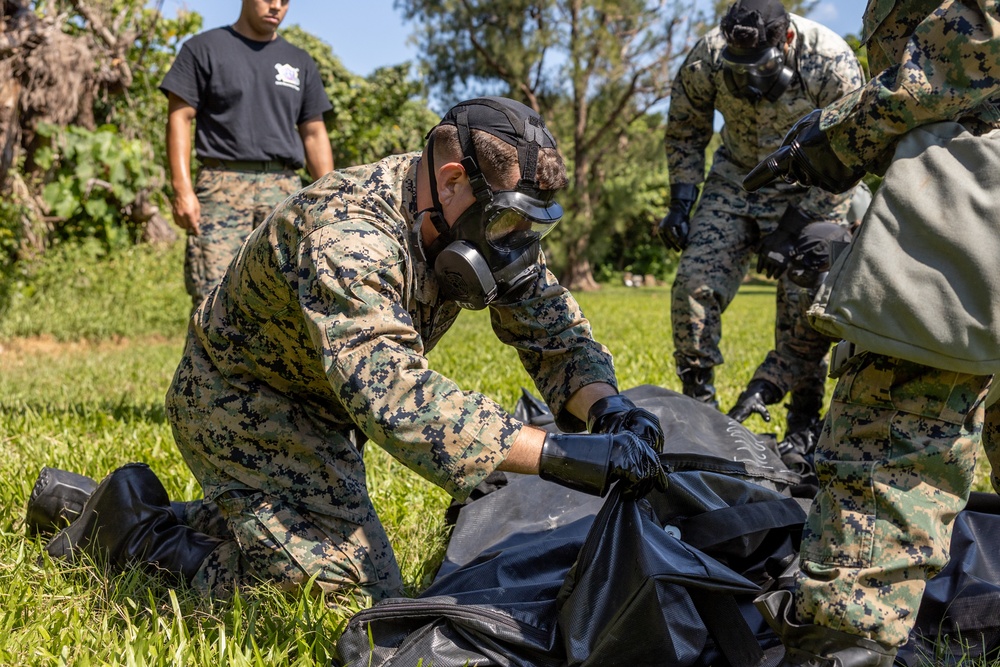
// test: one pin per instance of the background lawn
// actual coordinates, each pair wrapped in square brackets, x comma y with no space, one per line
[89,346]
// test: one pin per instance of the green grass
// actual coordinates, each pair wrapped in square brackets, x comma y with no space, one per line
[87,350]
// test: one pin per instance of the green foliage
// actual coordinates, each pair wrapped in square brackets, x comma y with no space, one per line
[630,204]
[86,291]
[372,117]
[140,112]
[93,178]
[12,213]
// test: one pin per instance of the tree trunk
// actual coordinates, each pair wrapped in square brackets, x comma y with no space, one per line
[578,275]
[10,130]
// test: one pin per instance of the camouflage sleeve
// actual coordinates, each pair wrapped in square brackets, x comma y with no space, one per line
[351,294]
[690,117]
[949,65]
[555,343]
[832,73]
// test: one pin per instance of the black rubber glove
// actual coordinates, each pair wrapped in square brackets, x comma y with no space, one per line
[775,250]
[755,399]
[675,226]
[592,462]
[615,414]
[805,157]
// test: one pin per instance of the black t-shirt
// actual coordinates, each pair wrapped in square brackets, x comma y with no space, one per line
[249,96]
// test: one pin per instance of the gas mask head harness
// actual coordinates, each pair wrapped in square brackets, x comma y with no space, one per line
[490,254]
[751,68]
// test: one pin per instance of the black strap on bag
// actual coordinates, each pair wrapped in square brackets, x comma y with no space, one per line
[729,629]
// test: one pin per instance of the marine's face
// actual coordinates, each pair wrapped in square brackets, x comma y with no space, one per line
[265,16]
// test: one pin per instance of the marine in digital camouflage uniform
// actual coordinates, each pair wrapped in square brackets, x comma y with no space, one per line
[897,455]
[728,224]
[316,340]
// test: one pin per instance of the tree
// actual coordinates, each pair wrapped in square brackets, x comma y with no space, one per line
[82,64]
[593,68]
[371,117]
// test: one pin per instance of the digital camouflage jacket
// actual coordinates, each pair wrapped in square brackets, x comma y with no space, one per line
[931,61]
[322,325]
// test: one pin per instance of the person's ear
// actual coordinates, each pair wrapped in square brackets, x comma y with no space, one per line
[451,179]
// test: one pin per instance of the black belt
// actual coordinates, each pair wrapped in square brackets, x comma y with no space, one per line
[246,165]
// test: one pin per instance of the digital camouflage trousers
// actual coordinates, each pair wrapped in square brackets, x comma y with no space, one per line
[895,462]
[233,204]
[725,231]
[267,539]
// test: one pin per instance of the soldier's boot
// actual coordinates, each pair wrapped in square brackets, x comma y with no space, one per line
[697,383]
[56,500]
[128,520]
[816,646]
[803,424]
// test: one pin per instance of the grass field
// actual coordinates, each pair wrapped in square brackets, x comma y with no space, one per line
[87,353]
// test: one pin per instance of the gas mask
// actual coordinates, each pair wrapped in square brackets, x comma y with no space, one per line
[490,255]
[752,75]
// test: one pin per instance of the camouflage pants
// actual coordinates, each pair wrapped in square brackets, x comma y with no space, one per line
[233,204]
[725,231]
[797,363]
[895,462]
[289,485]
[267,539]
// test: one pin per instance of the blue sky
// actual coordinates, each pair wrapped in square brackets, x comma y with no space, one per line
[367,34]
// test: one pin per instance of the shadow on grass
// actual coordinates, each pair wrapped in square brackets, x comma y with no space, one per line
[151,412]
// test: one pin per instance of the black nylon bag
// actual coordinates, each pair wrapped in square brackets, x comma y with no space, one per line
[629,599]
[495,599]
[958,622]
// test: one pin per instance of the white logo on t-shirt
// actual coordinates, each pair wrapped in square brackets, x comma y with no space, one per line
[287,76]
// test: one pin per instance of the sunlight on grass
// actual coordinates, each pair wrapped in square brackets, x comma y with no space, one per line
[84,391]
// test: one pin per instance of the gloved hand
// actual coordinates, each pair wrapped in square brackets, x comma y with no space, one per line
[675,226]
[755,399]
[775,250]
[615,414]
[805,157]
[593,462]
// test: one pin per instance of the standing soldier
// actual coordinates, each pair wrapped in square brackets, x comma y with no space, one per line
[762,69]
[896,459]
[246,89]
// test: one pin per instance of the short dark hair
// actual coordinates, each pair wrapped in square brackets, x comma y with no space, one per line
[755,24]
[498,159]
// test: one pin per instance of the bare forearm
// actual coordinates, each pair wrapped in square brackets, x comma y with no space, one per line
[179,153]
[316,142]
[525,453]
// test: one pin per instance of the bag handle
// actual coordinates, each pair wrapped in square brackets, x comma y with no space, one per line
[708,529]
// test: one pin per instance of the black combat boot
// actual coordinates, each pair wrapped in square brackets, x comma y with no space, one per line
[56,500]
[815,645]
[129,520]
[697,383]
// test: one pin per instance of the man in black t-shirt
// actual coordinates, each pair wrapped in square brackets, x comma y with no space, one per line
[257,102]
